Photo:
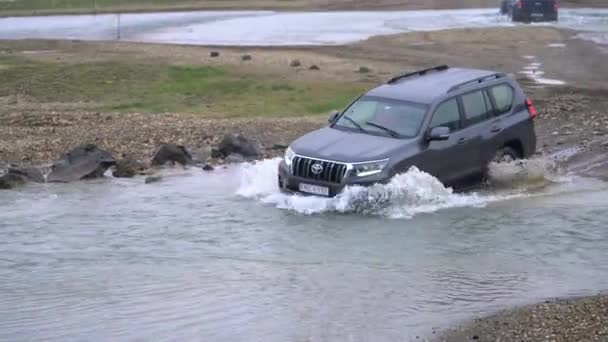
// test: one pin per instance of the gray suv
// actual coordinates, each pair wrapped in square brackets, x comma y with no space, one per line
[448,122]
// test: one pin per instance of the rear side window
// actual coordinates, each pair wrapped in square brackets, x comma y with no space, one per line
[503,98]
[476,107]
[447,115]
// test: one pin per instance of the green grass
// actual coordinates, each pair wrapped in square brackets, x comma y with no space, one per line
[117,86]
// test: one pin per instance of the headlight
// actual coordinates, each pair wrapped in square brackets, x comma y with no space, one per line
[368,169]
[289,154]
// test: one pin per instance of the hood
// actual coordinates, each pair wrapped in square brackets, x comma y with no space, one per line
[345,146]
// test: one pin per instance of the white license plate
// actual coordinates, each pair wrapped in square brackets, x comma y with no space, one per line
[314,189]
[537,15]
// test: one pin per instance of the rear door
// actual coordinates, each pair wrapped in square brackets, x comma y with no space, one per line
[477,110]
[494,133]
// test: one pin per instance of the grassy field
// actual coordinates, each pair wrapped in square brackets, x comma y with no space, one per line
[132,86]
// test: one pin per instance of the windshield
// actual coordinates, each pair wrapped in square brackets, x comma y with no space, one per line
[384,116]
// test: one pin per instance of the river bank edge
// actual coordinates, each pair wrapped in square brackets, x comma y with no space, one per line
[577,318]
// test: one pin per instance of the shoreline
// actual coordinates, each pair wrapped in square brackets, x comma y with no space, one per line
[564,319]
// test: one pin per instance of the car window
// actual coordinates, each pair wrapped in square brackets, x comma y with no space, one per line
[447,114]
[382,115]
[503,98]
[476,107]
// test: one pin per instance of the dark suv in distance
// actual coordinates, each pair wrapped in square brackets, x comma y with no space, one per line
[530,10]
[448,122]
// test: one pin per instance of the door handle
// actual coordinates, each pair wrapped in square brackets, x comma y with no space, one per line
[462,141]
[496,129]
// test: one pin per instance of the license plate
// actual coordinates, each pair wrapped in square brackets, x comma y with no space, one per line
[314,189]
[537,15]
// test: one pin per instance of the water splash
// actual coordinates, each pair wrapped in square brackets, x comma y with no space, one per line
[406,195]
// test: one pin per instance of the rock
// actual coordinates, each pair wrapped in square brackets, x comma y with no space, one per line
[153,179]
[128,168]
[238,144]
[208,167]
[295,63]
[215,153]
[214,54]
[246,58]
[314,67]
[11,181]
[235,158]
[84,162]
[364,70]
[31,174]
[170,153]
[200,155]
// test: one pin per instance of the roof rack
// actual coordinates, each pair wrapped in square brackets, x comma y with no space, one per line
[417,73]
[477,80]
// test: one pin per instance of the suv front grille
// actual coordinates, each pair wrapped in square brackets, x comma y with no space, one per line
[318,169]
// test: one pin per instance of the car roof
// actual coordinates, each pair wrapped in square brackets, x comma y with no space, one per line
[425,88]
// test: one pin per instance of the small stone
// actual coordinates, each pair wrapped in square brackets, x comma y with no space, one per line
[314,67]
[214,54]
[555,133]
[279,147]
[235,158]
[295,63]
[208,167]
[246,57]
[153,179]
[364,70]
[475,337]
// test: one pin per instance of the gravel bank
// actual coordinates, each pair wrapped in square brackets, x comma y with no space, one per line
[561,320]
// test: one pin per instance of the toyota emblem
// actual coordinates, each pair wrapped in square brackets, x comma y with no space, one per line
[316,169]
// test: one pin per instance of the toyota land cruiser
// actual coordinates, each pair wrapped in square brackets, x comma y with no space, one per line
[448,122]
[530,10]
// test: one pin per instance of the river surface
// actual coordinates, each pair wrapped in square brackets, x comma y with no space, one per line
[223,256]
[267,28]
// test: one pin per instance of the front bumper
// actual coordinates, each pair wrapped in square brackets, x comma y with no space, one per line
[289,183]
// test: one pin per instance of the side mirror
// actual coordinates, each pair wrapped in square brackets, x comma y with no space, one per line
[333,116]
[439,134]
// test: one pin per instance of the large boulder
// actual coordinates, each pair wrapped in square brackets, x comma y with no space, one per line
[238,144]
[31,174]
[16,176]
[128,168]
[11,181]
[170,153]
[84,162]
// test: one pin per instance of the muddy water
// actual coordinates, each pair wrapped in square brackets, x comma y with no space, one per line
[274,28]
[225,257]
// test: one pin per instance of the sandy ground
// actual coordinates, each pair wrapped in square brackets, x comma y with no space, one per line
[28,132]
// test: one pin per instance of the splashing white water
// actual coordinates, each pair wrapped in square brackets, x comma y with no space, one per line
[404,196]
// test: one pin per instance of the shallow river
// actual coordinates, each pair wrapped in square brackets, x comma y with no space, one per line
[276,28]
[223,256]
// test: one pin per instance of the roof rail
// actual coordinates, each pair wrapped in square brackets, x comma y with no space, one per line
[477,80]
[417,73]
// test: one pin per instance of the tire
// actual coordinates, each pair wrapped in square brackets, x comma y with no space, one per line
[506,155]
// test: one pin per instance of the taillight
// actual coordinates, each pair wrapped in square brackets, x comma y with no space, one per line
[519,4]
[555,5]
[531,108]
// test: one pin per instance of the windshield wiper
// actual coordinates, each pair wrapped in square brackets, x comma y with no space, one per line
[354,123]
[393,133]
